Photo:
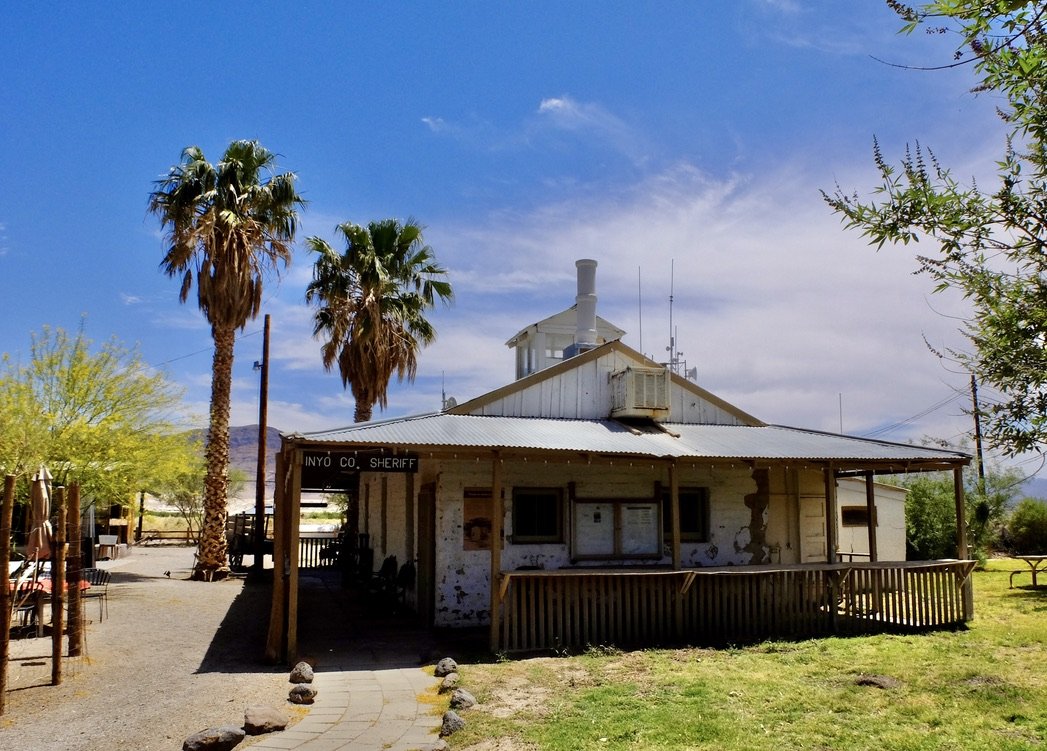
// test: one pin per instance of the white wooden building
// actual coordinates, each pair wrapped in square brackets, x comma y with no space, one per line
[604,498]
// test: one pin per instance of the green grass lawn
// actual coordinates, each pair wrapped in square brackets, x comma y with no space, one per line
[984,687]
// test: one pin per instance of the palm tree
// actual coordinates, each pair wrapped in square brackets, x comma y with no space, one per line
[371,302]
[227,226]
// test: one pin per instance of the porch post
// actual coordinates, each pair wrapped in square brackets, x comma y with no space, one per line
[274,647]
[961,520]
[497,515]
[870,505]
[294,518]
[674,512]
[830,514]
[961,541]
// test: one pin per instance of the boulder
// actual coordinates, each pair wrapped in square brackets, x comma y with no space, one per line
[221,738]
[261,719]
[302,673]
[450,683]
[446,666]
[303,693]
[462,699]
[452,723]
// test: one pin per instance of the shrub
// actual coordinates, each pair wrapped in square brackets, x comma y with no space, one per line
[1027,529]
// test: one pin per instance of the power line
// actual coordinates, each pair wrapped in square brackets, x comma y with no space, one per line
[922,413]
[202,351]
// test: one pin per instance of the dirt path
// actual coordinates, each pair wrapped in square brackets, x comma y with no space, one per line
[173,657]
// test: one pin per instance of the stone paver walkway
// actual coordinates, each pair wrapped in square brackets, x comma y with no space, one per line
[365,710]
[372,693]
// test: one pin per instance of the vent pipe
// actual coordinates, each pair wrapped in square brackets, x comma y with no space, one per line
[585,305]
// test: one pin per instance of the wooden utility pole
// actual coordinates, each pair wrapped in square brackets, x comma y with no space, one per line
[978,434]
[259,488]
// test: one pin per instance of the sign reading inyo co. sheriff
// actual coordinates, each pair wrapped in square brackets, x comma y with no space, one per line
[330,470]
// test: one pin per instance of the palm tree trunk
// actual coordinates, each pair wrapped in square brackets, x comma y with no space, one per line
[363,412]
[211,556]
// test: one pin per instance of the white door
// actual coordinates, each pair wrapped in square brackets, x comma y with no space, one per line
[812,529]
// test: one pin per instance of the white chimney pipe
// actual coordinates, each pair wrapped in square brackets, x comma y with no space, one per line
[585,335]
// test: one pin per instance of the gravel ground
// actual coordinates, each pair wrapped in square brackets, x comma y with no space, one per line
[173,657]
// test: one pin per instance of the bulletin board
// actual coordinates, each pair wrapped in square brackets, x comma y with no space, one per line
[593,530]
[609,529]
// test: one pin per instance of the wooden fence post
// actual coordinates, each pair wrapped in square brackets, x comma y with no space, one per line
[76,631]
[7,505]
[57,595]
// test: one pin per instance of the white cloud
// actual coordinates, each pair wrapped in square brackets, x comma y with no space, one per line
[595,121]
[777,306]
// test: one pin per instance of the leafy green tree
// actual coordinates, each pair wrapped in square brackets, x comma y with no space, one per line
[930,511]
[371,302]
[96,416]
[988,243]
[1027,528]
[228,225]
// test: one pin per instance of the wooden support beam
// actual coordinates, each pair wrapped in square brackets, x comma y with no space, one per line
[497,517]
[870,506]
[961,518]
[674,511]
[274,646]
[961,540]
[830,515]
[293,521]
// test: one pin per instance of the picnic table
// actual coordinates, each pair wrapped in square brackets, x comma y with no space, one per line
[1036,564]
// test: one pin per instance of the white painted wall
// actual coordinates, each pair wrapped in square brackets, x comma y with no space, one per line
[890,514]
[584,392]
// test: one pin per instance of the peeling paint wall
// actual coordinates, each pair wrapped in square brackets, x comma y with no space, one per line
[752,519]
[462,587]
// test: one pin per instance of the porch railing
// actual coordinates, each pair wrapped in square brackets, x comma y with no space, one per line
[317,550]
[575,608]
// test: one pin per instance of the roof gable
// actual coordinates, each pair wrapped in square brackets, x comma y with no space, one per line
[579,388]
[566,322]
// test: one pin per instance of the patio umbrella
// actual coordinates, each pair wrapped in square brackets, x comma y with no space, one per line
[39,544]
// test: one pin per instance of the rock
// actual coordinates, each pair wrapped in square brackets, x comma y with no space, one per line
[450,683]
[261,719]
[452,723]
[303,693]
[302,673]
[446,666]
[462,699]
[221,738]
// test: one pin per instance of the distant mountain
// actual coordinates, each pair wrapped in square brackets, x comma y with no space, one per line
[1034,488]
[243,450]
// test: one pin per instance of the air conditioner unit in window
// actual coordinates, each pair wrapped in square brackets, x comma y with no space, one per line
[640,392]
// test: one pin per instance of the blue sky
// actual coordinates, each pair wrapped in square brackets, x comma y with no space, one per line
[679,135]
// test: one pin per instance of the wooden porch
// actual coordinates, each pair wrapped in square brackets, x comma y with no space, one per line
[576,608]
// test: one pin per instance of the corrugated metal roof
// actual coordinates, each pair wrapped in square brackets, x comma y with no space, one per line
[612,437]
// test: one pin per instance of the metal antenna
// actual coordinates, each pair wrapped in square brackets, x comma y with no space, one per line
[672,342]
[639,305]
